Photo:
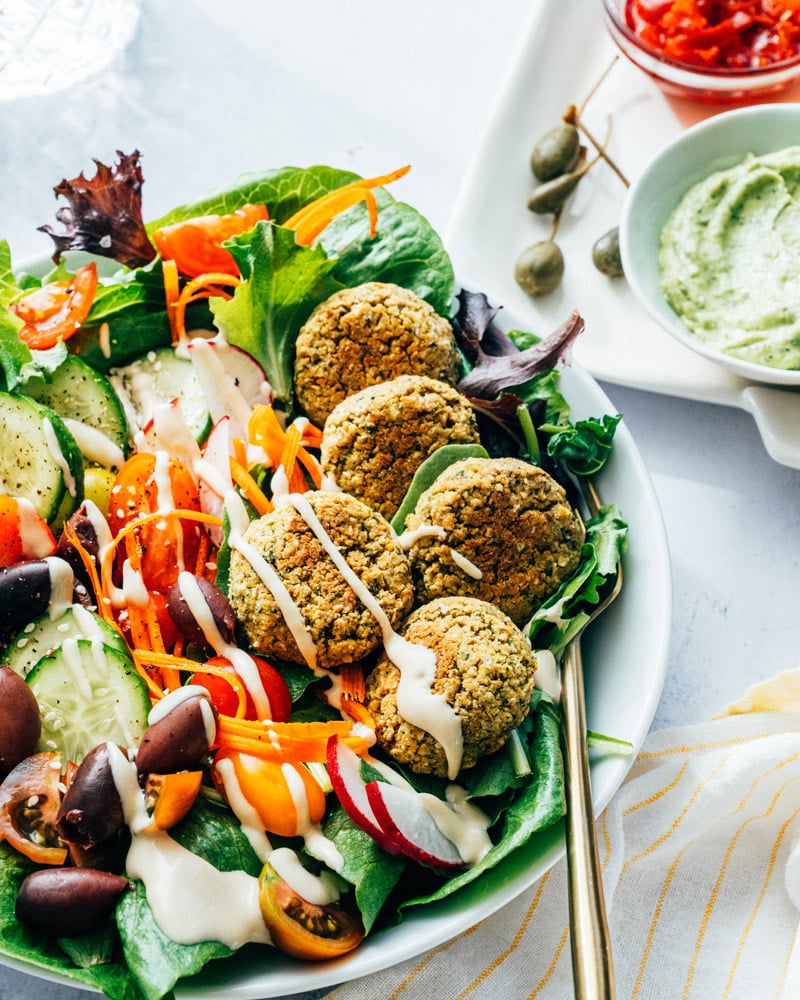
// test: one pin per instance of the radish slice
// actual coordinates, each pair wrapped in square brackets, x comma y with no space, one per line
[404,819]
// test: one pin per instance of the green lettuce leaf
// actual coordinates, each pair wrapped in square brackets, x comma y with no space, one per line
[564,614]
[282,283]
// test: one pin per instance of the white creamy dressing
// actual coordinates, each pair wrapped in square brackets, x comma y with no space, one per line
[62,584]
[317,844]
[37,539]
[58,457]
[95,445]
[246,813]
[412,536]
[465,565]
[242,662]
[416,702]
[191,900]
[548,674]
[133,586]
[317,889]
[463,823]
[239,520]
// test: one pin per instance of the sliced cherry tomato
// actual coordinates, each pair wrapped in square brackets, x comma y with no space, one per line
[168,545]
[303,929]
[264,785]
[23,533]
[30,797]
[196,244]
[226,701]
[169,797]
[56,310]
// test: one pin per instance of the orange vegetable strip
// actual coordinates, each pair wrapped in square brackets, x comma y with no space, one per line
[91,568]
[305,750]
[311,436]
[352,678]
[311,465]
[169,661]
[359,185]
[250,488]
[323,212]
[357,712]
[171,292]
[292,740]
[264,429]
[203,287]
[240,452]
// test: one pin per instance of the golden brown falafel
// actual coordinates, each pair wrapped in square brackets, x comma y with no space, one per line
[375,440]
[506,534]
[484,669]
[339,625]
[365,335]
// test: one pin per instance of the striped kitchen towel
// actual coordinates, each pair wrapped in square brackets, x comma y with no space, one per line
[700,851]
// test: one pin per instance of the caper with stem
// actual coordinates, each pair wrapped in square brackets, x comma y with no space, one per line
[556,152]
[540,267]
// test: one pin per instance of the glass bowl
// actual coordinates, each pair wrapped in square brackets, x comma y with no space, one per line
[717,143]
[710,86]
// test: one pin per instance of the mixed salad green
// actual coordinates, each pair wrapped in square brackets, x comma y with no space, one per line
[513,382]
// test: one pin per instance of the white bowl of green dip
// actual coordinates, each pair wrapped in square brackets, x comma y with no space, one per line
[710,241]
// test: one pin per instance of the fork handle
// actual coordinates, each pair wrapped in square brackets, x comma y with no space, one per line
[592,962]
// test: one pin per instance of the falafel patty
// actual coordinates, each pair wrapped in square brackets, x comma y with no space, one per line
[375,440]
[507,535]
[484,669]
[339,625]
[365,335]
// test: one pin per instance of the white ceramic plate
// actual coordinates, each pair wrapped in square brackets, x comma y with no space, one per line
[625,658]
[563,51]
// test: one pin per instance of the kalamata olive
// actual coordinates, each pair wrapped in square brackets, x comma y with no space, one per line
[556,152]
[20,721]
[24,592]
[91,810]
[180,739]
[68,901]
[540,268]
[180,597]
[83,526]
[550,197]
[606,256]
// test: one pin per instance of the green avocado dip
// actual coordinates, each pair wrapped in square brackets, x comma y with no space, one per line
[730,259]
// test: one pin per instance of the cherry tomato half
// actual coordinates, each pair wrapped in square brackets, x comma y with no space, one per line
[23,533]
[56,310]
[30,797]
[169,797]
[225,700]
[303,929]
[168,545]
[196,244]
[263,783]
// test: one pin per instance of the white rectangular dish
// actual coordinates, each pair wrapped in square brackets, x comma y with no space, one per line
[564,51]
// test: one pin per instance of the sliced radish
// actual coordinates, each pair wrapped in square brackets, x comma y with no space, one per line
[214,473]
[344,768]
[168,431]
[232,381]
[405,820]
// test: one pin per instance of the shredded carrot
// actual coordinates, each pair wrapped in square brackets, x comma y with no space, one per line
[264,430]
[172,662]
[240,452]
[91,568]
[250,488]
[310,220]
[299,741]
[202,287]
[352,677]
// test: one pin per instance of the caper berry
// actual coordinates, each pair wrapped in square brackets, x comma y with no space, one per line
[556,152]
[606,256]
[551,196]
[540,268]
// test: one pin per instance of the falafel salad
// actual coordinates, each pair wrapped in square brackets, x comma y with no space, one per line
[290,534]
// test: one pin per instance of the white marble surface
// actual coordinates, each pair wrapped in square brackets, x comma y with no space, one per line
[209,90]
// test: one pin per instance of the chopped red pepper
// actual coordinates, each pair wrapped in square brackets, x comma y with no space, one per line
[721,34]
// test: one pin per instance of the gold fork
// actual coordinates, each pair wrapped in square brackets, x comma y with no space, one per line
[592,960]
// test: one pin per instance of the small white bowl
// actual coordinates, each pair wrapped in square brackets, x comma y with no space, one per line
[717,143]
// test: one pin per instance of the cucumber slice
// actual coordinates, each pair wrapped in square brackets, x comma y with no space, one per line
[45,634]
[87,403]
[161,376]
[40,459]
[88,693]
